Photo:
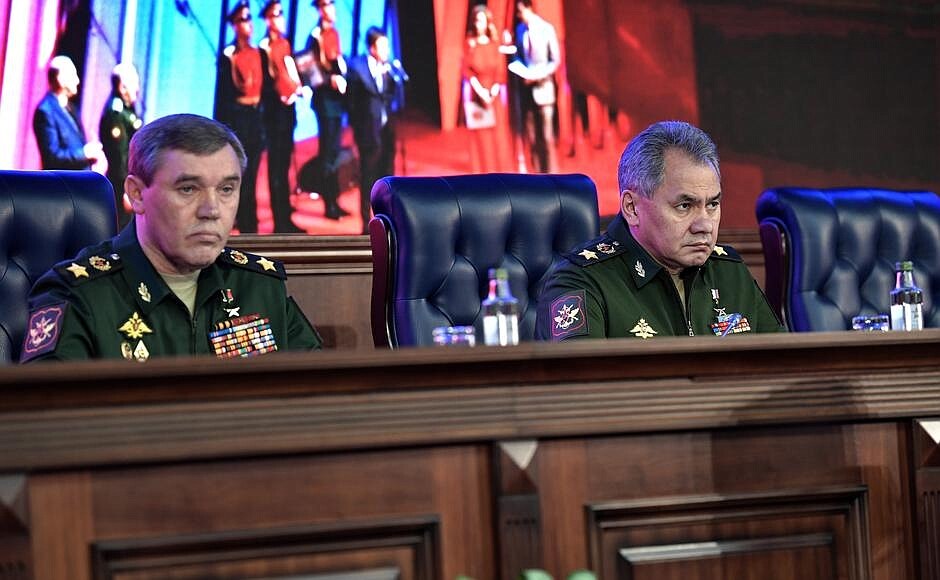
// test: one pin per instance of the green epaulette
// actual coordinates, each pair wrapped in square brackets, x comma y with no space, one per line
[595,251]
[726,253]
[77,272]
[253,262]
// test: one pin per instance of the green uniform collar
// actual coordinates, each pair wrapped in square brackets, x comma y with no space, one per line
[144,279]
[643,267]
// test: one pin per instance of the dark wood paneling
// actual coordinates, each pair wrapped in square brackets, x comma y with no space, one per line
[517,506]
[381,550]
[927,464]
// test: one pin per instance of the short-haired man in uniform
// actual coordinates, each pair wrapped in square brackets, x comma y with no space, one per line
[119,122]
[278,98]
[167,285]
[658,270]
[243,71]
[326,71]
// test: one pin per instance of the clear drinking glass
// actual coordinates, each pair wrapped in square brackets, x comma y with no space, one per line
[871,323]
[454,336]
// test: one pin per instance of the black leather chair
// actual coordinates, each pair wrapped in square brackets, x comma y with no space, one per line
[435,238]
[830,254]
[45,217]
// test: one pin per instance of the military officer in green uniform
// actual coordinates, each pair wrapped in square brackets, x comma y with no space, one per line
[658,270]
[119,122]
[167,285]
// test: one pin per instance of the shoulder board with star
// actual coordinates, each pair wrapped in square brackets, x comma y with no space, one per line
[253,262]
[722,252]
[595,251]
[96,265]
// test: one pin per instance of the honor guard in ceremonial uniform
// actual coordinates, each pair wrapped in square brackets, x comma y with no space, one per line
[167,285]
[658,270]
[119,122]
[325,69]
[280,117]
[243,71]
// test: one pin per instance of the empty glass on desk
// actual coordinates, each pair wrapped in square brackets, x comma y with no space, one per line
[454,336]
[871,323]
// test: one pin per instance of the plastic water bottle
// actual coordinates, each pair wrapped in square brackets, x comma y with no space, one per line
[500,312]
[906,300]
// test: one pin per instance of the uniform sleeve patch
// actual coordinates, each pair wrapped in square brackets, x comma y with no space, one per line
[42,331]
[568,316]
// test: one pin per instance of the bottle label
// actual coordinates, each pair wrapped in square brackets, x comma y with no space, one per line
[907,317]
[501,330]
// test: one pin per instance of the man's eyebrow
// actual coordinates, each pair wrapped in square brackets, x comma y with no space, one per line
[186,177]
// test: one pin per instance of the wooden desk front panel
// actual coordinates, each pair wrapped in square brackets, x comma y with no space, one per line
[410,514]
[814,502]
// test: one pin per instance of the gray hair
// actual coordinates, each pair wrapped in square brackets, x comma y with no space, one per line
[643,163]
[184,132]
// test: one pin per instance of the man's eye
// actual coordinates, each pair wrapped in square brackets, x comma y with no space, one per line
[187,189]
[714,204]
[228,190]
[684,206]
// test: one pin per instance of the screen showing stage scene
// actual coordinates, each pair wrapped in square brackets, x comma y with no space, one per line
[330,96]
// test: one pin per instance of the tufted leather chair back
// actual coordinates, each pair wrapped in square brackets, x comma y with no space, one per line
[830,254]
[45,217]
[435,238]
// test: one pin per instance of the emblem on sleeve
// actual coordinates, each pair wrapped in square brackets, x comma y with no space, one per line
[135,327]
[78,271]
[641,272]
[43,331]
[568,316]
[643,329]
[587,254]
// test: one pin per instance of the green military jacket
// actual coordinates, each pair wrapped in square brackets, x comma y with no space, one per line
[611,287]
[109,302]
[118,124]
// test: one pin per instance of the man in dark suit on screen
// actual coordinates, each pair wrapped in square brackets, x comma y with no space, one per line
[372,88]
[57,123]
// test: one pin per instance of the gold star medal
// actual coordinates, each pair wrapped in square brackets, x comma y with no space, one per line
[587,254]
[266,264]
[78,271]
[135,327]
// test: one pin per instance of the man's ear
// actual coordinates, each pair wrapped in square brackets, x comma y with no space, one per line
[628,207]
[133,187]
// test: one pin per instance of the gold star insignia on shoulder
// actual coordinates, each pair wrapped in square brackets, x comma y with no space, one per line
[135,327]
[99,263]
[238,257]
[144,292]
[640,270]
[719,251]
[266,264]
[587,254]
[643,329]
[78,271]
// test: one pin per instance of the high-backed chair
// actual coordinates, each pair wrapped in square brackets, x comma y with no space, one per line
[830,254]
[45,217]
[435,238]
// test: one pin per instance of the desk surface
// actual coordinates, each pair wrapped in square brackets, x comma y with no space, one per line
[103,413]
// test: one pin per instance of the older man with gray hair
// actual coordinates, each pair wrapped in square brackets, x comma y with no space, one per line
[658,270]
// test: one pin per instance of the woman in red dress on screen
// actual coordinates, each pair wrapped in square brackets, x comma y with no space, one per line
[484,95]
